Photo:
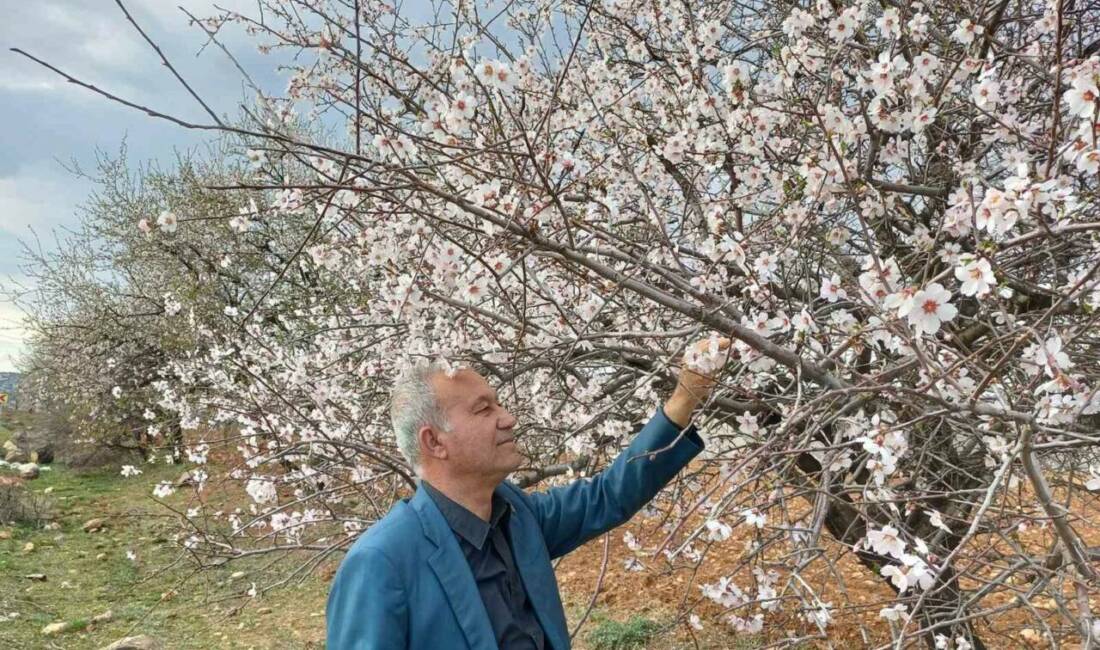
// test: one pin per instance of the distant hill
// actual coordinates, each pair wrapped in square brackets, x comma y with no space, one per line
[9,381]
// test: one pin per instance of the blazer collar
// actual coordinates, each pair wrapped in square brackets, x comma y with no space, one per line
[453,573]
[536,571]
[466,524]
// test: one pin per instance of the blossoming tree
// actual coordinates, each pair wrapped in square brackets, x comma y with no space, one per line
[890,207]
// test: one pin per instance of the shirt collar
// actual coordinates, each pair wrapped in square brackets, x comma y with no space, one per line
[464,523]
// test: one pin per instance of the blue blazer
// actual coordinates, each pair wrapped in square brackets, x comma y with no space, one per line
[405,583]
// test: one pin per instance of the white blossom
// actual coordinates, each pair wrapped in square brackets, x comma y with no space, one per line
[718,531]
[129,471]
[930,307]
[167,221]
[976,276]
[164,489]
[754,518]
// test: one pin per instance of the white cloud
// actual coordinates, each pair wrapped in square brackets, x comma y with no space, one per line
[35,198]
[17,85]
[12,336]
[100,38]
[168,13]
[93,41]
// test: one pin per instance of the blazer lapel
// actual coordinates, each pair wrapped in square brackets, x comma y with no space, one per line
[533,563]
[453,572]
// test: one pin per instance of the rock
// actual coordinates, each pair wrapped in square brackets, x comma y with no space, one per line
[5,534]
[101,557]
[264,610]
[185,479]
[105,617]
[28,547]
[42,455]
[36,444]
[38,577]
[237,575]
[28,471]
[11,481]
[140,642]
[92,525]
[53,629]
[12,452]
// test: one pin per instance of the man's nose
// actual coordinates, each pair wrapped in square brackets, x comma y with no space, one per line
[508,421]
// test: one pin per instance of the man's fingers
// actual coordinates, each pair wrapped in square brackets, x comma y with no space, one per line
[723,343]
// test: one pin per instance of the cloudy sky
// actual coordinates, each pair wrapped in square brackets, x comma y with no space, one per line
[46,123]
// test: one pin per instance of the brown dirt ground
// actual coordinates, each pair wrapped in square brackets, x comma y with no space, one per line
[856,593]
[665,592]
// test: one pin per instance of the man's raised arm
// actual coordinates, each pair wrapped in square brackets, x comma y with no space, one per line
[573,514]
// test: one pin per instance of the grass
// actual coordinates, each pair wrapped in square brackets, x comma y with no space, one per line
[156,594]
[609,634]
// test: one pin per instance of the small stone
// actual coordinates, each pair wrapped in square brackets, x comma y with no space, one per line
[11,481]
[28,471]
[5,534]
[264,610]
[101,557]
[28,547]
[92,525]
[237,575]
[54,629]
[140,642]
[37,577]
[105,617]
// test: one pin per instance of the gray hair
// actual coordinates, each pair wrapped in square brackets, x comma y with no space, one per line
[413,404]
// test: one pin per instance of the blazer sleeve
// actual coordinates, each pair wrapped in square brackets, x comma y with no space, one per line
[572,514]
[367,605]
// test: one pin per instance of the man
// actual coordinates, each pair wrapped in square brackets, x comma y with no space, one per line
[465,563]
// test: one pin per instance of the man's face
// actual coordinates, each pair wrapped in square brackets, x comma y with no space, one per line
[481,440]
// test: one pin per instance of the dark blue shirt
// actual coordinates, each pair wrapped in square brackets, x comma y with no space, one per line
[488,550]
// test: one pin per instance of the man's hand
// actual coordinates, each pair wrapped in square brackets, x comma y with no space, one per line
[702,363]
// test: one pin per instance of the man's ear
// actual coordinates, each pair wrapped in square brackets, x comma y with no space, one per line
[430,443]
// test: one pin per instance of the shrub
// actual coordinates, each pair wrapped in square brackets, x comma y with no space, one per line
[616,635]
[21,506]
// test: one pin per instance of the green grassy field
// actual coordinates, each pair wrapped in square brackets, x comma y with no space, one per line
[158,593]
